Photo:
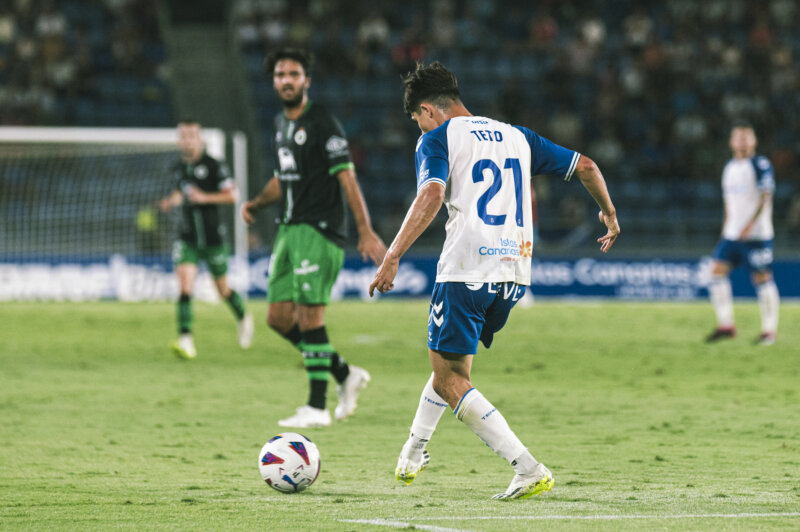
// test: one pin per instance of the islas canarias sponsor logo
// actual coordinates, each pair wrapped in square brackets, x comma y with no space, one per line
[507,248]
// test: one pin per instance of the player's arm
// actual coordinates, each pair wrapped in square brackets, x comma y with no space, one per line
[226,193]
[724,217]
[592,179]
[268,195]
[419,217]
[550,158]
[174,199]
[225,196]
[369,243]
[766,185]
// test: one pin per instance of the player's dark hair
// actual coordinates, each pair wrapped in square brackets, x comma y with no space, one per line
[304,57]
[433,84]
[741,122]
[189,120]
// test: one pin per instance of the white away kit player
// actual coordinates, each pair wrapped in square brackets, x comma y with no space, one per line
[748,182]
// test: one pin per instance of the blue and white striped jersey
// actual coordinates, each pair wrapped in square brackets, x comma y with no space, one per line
[743,182]
[485,166]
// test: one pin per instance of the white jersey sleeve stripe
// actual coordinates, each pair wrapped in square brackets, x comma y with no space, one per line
[572,166]
[429,181]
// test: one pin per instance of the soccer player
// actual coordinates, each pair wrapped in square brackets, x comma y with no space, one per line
[314,174]
[480,169]
[747,185]
[201,184]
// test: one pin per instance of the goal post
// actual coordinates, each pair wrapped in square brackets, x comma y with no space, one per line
[79,216]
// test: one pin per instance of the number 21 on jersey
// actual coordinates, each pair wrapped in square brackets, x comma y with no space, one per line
[494,188]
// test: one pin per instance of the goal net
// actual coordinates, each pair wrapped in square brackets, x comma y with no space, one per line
[79,216]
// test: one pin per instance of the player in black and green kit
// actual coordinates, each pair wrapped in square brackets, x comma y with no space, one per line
[314,175]
[201,184]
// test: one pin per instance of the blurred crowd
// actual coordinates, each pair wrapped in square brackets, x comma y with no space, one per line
[647,89]
[53,52]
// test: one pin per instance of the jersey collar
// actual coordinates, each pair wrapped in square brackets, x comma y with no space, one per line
[302,113]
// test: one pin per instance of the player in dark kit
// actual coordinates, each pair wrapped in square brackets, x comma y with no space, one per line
[201,184]
[314,175]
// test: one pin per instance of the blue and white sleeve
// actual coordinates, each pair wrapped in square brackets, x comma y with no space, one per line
[431,158]
[547,157]
[765,175]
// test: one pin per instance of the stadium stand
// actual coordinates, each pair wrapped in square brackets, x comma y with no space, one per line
[648,90]
[79,63]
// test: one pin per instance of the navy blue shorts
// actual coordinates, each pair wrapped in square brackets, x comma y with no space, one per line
[756,254]
[463,313]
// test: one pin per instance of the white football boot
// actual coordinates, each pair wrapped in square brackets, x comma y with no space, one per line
[524,486]
[184,347]
[348,391]
[246,331]
[766,338]
[413,459]
[307,417]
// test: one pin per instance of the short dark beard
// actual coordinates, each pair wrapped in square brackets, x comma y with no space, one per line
[291,104]
[190,157]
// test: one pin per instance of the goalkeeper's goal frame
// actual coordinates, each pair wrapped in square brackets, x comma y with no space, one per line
[230,147]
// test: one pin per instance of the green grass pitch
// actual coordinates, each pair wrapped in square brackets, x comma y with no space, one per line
[643,425]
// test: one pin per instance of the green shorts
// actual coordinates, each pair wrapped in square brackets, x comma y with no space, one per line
[303,267]
[215,257]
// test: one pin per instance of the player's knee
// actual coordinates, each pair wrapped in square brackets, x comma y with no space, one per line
[223,291]
[440,388]
[720,269]
[761,277]
[450,386]
[279,322]
[310,317]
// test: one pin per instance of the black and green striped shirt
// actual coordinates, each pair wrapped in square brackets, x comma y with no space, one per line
[309,152]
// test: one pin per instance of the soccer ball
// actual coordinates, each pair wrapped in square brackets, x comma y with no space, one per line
[289,462]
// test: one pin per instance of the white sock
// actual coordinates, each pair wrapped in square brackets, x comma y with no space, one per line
[491,427]
[429,412]
[722,299]
[769,302]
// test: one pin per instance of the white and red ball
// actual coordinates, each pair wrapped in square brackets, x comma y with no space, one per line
[289,462]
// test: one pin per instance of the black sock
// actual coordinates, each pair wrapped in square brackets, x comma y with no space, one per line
[317,337]
[339,368]
[316,397]
[236,304]
[317,359]
[184,308]
[294,336]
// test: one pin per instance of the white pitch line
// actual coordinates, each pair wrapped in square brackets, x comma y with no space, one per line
[401,524]
[602,517]
[396,523]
